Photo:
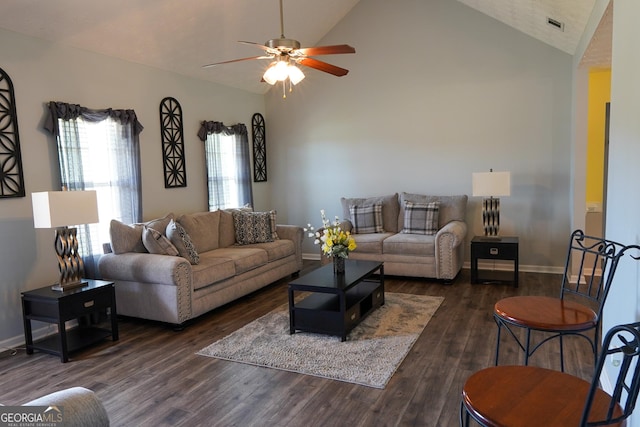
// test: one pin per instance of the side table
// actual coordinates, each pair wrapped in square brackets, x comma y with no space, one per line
[494,248]
[47,305]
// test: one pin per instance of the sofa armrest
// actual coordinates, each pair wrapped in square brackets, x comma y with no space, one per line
[454,231]
[450,249]
[81,407]
[144,267]
[294,233]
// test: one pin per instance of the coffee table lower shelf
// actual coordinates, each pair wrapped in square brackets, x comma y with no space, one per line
[333,311]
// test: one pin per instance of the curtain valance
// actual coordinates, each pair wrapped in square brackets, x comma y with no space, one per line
[209,127]
[65,111]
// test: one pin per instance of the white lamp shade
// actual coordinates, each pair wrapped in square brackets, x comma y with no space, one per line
[53,209]
[491,184]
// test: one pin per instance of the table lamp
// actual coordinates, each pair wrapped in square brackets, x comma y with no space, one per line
[59,210]
[491,185]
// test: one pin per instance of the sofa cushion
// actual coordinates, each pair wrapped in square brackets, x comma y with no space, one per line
[370,243]
[410,244]
[277,249]
[452,208]
[254,227]
[203,228]
[128,238]
[245,258]
[181,240]
[390,209]
[420,218]
[157,243]
[366,218]
[211,269]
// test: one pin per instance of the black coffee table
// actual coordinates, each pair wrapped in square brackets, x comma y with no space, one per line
[336,303]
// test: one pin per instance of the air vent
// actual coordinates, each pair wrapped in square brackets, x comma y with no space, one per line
[555,24]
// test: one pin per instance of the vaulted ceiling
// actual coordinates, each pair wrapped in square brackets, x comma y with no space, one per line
[181,36]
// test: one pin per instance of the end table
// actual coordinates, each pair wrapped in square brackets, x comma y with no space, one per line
[494,248]
[47,305]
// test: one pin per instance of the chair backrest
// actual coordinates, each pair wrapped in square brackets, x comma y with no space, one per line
[621,346]
[590,267]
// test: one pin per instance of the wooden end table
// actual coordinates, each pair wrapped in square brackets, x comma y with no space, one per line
[47,305]
[494,248]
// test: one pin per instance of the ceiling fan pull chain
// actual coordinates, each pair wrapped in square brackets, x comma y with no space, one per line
[284,91]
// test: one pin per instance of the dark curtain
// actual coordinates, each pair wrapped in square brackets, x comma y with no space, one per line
[219,183]
[122,190]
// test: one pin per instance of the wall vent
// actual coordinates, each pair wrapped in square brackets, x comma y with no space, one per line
[555,24]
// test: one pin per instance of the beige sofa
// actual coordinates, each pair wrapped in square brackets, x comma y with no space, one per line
[404,249]
[175,269]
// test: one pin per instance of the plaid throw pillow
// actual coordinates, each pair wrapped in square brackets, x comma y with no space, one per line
[366,219]
[421,218]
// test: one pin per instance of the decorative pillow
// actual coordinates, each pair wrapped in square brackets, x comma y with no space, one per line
[421,218]
[390,209]
[160,224]
[366,219]
[157,243]
[254,227]
[181,240]
[125,238]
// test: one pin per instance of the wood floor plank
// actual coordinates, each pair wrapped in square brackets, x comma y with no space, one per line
[153,377]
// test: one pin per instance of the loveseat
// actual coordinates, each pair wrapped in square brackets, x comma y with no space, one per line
[175,269]
[414,235]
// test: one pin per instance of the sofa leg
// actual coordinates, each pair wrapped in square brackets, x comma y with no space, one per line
[178,327]
[295,274]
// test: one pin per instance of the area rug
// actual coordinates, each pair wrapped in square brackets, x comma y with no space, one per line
[370,356]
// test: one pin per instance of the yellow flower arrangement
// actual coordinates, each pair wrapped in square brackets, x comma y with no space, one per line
[335,241]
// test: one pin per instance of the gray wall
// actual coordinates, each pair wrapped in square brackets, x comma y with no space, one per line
[436,91]
[43,72]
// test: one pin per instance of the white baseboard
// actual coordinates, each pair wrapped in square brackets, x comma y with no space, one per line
[17,342]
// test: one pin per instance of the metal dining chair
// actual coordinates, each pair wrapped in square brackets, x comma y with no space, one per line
[523,396]
[589,270]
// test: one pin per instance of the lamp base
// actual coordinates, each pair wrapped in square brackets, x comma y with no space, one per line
[70,262]
[65,287]
[491,216]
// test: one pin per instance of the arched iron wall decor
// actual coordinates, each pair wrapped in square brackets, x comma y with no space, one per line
[259,148]
[11,178]
[172,143]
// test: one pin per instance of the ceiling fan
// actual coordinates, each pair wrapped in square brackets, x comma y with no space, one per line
[286,53]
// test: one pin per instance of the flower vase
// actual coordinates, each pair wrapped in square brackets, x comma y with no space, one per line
[338,265]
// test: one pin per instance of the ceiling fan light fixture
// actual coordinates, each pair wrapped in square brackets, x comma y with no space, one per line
[273,73]
[280,71]
[295,74]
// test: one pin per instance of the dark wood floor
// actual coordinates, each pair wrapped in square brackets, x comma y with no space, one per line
[152,376]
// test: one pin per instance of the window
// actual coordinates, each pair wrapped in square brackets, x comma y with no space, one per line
[228,168]
[99,150]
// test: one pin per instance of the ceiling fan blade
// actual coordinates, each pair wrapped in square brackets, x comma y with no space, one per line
[323,66]
[327,50]
[260,45]
[236,60]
